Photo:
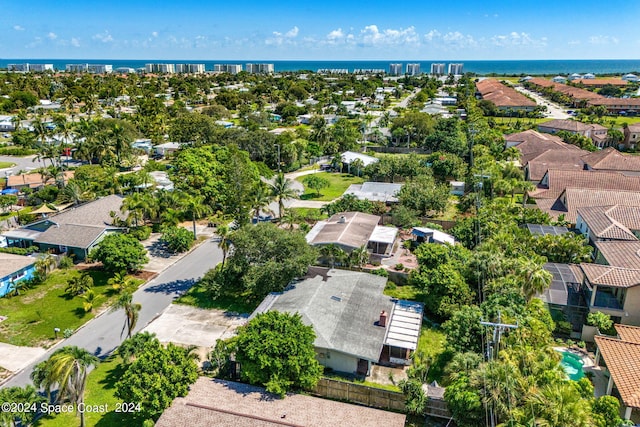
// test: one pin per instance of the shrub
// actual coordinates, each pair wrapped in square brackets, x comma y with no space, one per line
[140,233]
[177,239]
[65,262]
[67,333]
[380,272]
[601,321]
[399,267]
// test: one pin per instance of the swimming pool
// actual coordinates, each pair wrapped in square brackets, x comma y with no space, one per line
[572,365]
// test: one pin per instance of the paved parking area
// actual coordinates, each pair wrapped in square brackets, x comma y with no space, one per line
[14,358]
[183,324]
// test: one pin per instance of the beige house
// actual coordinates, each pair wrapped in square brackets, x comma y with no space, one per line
[631,135]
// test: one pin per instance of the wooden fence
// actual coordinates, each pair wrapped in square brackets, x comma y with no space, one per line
[377,398]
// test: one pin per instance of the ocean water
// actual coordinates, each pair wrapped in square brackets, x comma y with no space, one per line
[532,67]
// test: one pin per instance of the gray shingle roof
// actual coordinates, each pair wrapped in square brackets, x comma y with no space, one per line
[343,308]
[93,213]
[10,263]
[350,229]
[72,235]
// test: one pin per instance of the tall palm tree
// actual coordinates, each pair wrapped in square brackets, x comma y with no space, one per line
[67,368]
[333,254]
[260,199]
[44,264]
[359,256]
[224,233]
[282,189]
[196,208]
[535,279]
[131,311]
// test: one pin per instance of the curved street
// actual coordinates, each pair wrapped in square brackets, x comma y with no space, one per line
[102,335]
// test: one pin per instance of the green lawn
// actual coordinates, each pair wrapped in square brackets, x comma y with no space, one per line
[198,296]
[5,165]
[32,315]
[6,215]
[432,345]
[406,292]
[99,391]
[338,183]
[311,214]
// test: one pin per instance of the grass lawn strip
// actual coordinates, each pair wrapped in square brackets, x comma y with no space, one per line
[32,315]
[6,165]
[197,296]
[338,184]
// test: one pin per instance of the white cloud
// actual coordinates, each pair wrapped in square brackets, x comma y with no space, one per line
[518,39]
[75,42]
[372,36]
[287,38]
[18,28]
[103,37]
[52,36]
[452,40]
[154,34]
[603,40]
[37,41]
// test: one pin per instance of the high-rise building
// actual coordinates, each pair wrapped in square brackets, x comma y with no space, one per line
[99,68]
[25,68]
[437,69]
[227,68]
[76,68]
[455,69]
[413,69]
[190,68]
[160,68]
[395,69]
[260,68]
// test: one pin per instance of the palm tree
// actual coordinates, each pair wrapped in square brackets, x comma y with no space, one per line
[356,164]
[359,256]
[120,281]
[196,208]
[260,199]
[44,265]
[67,368]
[282,189]
[333,254]
[224,233]
[131,311]
[89,298]
[79,285]
[131,347]
[535,279]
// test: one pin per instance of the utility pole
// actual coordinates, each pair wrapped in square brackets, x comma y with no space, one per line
[278,145]
[493,346]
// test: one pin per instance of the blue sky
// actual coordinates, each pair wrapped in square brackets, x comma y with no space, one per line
[321,30]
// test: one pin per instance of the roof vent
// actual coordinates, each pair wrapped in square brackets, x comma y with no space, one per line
[342,219]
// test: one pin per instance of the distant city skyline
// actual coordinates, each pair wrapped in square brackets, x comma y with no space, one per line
[285,30]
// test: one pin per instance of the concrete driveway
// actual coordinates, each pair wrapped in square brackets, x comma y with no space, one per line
[14,358]
[183,324]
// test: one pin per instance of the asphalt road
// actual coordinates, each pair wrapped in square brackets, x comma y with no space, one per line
[27,164]
[102,335]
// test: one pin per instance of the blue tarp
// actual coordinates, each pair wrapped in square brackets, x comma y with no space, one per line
[10,191]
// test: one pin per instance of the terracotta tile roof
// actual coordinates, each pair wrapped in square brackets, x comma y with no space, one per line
[601,82]
[212,402]
[34,180]
[559,159]
[635,127]
[628,333]
[611,222]
[607,275]
[572,199]
[613,160]
[623,361]
[567,125]
[503,96]
[623,102]
[558,180]
[624,254]
[571,91]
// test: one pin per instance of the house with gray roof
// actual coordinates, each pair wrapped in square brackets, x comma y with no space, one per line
[356,325]
[14,269]
[353,230]
[74,231]
[385,192]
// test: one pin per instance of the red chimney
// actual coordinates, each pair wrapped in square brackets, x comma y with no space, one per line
[383,319]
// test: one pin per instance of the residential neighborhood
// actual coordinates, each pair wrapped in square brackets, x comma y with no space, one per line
[242,246]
